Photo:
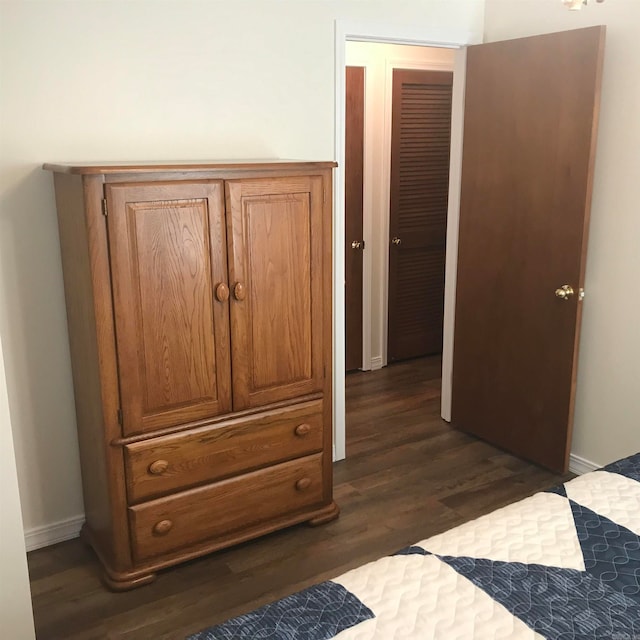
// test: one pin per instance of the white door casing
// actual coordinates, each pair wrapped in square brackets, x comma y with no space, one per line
[395,35]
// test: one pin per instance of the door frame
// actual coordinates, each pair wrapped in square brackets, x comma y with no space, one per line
[389,34]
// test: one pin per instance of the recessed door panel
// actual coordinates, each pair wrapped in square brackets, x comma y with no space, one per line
[275,231]
[168,260]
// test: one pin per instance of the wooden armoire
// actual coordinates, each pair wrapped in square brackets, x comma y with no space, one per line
[199,311]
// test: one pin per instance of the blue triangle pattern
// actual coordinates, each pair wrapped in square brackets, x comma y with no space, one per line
[556,603]
[413,550]
[611,552]
[560,490]
[317,613]
[629,467]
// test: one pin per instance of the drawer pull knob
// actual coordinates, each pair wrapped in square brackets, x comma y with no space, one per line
[239,292]
[303,484]
[303,429]
[163,527]
[158,467]
[222,292]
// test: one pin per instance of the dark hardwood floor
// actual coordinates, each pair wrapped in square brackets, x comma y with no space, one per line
[407,476]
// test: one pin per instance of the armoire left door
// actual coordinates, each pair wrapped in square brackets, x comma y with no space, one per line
[167,243]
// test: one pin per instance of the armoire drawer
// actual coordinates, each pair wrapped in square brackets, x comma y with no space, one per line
[204,513]
[174,462]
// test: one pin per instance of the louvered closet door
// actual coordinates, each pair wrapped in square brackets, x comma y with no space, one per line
[420,141]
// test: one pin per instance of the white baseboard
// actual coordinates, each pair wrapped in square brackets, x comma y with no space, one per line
[49,534]
[376,363]
[580,466]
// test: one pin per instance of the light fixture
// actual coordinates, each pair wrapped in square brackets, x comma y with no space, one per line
[576,5]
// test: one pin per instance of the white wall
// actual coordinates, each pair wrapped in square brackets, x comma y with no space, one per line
[136,80]
[607,416]
[379,61]
[16,617]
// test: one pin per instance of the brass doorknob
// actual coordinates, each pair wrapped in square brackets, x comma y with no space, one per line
[396,241]
[564,292]
[357,244]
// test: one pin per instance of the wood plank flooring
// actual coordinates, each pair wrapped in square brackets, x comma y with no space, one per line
[407,476]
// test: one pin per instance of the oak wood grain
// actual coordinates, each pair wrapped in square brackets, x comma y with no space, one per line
[160,394]
[85,264]
[187,166]
[275,254]
[168,254]
[182,519]
[160,465]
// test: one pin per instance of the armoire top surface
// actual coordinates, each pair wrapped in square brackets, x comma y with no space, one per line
[182,166]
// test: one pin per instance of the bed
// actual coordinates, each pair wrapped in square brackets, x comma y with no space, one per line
[563,564]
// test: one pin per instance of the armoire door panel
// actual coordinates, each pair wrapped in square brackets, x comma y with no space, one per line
[275,253]
[168,257]
[283,256]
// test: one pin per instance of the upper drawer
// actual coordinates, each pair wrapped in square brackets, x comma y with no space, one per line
[178,461]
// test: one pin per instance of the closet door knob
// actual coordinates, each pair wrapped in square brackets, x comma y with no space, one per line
[222,292]
[303,484]
[239,292]
[564,292]
[163,527]
[302,429]
[158,467]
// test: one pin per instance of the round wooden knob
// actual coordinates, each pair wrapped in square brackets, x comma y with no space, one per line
[222,292]
[303,484]
[239,292]
[158,467]
[163,527]
[302,429]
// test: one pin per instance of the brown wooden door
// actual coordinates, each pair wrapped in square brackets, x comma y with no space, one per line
[275,273]
[168,256]
[420,142]
[354,242]
[531,109]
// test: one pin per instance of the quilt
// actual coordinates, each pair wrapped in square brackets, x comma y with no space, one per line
[563,564]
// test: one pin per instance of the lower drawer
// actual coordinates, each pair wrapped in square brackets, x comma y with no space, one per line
[166,464]
[175,522]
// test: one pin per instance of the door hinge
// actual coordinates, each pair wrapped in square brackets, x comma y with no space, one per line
[120,417]
[104,207]
[324,196]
